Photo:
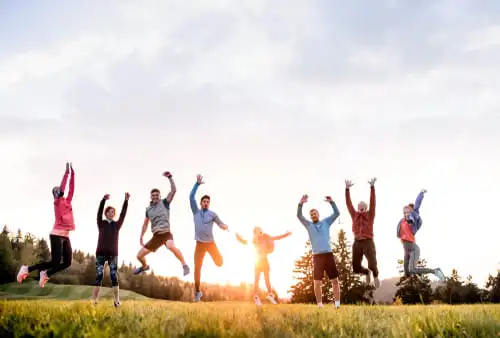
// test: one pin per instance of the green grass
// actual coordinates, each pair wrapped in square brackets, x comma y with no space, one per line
[32,291]
[53,318]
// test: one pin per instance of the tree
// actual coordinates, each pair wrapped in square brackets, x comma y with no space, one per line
[352,289]
[42,251]
[470,292]
[7,269]
[303,290]
[414,289]
[493,286]
[451,291]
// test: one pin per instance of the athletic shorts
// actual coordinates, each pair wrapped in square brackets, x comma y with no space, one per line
[158,240]
[324,262]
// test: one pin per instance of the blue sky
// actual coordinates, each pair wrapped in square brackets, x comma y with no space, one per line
[268,101]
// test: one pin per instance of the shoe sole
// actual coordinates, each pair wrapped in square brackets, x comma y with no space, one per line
[22,277]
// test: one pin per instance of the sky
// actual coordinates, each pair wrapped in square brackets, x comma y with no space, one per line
[267,100]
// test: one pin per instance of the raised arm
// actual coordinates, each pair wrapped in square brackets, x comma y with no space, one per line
[277,238]
[192,200]
[123,212]
[241,239]
[100,210]
[350,207]
[373,203]
[62,186]
[336,213]
[300,214]
[71,185]
[418,201]
[173,188]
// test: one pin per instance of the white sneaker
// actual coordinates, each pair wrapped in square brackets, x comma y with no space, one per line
[256,299]
[43,278]
[320,305]
[376,281]
[270,297]
[22,274]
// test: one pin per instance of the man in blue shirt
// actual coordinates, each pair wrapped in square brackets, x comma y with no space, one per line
[323,259]
[203,234]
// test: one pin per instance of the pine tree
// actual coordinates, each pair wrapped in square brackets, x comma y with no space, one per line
[7,269]
[414,289]
[352,289]
[303,290]
[451,291]
[42,251]
[470,292]
[493,286]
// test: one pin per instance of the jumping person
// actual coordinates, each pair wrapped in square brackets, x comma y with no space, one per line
[264,245]
[158,213]
[60,245]
[406,230]
[323,259]
[107,246]
[362,228]
[203,228]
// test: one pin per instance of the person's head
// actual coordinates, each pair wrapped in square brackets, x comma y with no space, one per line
[362,206]
[257,232]
[412,206]
[110,213]
[205,202]
[314,215]
[407,211]
[57,192]
[155,195]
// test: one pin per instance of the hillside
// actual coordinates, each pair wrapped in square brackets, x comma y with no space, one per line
[31,290]
[385,294]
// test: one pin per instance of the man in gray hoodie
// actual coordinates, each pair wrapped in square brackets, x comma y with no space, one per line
[203,227]
[158,213]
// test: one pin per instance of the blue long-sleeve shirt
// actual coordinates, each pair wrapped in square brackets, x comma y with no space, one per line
[203,220]
[414,219]
[319,232]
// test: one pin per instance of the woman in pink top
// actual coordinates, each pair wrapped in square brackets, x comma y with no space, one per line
[60,245]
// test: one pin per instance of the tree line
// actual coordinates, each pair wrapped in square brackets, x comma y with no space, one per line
[410,290]
[18,248]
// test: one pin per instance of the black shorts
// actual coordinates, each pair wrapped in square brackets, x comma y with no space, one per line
[158,240]
[324,262]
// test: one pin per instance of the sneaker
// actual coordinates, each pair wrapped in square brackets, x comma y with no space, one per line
[270,297]
[116,304]
[141,269]
[186,269]
[439,274]
[22,274]
[368,279]
[197,297]
[256,299]
[336,304]
[43,278]
[376,282]
[320,305]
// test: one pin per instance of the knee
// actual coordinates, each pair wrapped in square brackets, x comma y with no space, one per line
[170,245]
[114,277]
[219,262]
[98,280]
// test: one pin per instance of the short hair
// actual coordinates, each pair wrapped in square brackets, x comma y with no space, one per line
[314,210]
[108,209]
[411,205]
[205,197]
[155,190]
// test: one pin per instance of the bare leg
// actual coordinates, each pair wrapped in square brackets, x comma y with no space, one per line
[256,282]
[171,246]
[95,294]
[336,291]
[141,256]
[318,292]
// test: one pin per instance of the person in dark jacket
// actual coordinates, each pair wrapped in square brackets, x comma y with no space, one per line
[107,246]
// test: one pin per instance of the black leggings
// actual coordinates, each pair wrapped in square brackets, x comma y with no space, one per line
[61,252]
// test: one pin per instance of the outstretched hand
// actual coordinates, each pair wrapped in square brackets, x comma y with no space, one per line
[71,167]
[304,199]
[424,191]
[67,166]
[372,181]
[127,196]
[199,179]
[328,199]
[167,174]
[224,227]
[348,184]
[106,197]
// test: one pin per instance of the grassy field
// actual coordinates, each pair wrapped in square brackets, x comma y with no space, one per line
[55,318]
[32,291]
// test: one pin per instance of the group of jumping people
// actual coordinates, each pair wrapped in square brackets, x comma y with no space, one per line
[158,214]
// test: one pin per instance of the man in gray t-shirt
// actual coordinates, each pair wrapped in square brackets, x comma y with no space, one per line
[158,213]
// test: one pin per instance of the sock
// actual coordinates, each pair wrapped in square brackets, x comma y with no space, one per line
[337,303]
